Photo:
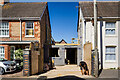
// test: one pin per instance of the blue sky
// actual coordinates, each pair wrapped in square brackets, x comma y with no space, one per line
[63,17]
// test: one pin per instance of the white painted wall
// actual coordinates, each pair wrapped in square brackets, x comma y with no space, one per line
[118,44]
[110,41]
[106,41]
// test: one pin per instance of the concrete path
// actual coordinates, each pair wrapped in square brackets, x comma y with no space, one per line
[109,73]
[61,71]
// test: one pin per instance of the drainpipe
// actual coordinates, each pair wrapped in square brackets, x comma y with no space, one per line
[20,29]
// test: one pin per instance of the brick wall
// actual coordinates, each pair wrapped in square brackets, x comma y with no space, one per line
[14,32]
[43,23]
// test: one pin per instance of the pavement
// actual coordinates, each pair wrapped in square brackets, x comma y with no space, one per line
[68,72]
[109,73]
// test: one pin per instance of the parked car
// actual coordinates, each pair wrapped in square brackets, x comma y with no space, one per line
[19,64]
[7,66]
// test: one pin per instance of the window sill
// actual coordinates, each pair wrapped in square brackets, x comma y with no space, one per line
[110,35]
[107,61]
[29,36]
[4,36]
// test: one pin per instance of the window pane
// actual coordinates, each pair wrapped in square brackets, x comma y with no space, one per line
[7,32]
[110,31]
[110,25]
[110,57]
[29,25]
[0,25]
[29,32]
[110,49]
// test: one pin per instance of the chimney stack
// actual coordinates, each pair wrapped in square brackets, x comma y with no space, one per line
[2,2]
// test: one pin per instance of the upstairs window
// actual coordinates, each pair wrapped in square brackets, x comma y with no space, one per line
[29,29]
[110,28]
[4,29]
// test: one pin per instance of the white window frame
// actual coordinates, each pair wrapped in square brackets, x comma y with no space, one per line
[110,28]
[4,51]
[110,53]
[27,29]
[4,30]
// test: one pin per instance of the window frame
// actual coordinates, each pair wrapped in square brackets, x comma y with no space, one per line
[110,29]
[5,29]
[4,51]
[110,53]
[28,29]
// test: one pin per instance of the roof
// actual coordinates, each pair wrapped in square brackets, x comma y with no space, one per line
[23,9]
[105,9]
[61,42]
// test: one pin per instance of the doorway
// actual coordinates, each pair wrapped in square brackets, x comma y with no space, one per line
[71,55]
[54,52]
[12,50]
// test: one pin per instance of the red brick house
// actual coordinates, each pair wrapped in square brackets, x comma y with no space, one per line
[21,24]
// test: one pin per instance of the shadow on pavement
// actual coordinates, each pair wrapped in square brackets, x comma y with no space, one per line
[100,71]
[44,71]
[16,71]
[61,78]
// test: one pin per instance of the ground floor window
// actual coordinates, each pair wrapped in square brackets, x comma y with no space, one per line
[110,53]
[2,52]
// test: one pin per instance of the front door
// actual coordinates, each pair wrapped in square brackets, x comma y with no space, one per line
[12,50]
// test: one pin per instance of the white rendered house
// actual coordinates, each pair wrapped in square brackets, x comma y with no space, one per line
[108,30]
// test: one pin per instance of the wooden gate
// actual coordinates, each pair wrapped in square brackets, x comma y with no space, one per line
[87,55]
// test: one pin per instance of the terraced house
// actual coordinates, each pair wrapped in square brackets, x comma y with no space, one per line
[21,24]
[108,30]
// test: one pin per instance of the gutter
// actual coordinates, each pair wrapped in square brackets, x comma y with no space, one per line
[22,18]
[102,17]
[17,42]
